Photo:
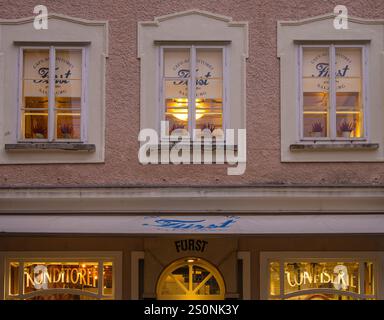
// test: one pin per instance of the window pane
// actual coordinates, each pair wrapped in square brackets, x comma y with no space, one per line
[176,62]
[68,124]
[108,278]
[369,278]
[349,102]
[34,104]
[14,278]
[209,90]
[35,124]
[176,106]
[200,275]
[68,88]
[315,86]
[174,284]
[60,275]
[177,75]
[274,273]
[342,276]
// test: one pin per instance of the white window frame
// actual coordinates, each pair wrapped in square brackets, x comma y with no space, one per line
[51,94]
[332,92]
[99,257]
[375,257]
[192,84]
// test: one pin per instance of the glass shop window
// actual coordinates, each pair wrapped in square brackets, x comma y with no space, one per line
[51,99]
[64,280]
[321,280]
[192,89]
[332,92]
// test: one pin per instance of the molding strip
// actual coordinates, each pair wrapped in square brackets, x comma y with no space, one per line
[176,200]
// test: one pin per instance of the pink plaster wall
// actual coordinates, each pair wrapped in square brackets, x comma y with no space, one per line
[122,100]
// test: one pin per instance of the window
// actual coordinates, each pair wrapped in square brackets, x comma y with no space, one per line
[320,276]
[190,279]
[62,277]
[332,97]
[52,110]
[192,88]
[331,90]
[52,90]
[193,72]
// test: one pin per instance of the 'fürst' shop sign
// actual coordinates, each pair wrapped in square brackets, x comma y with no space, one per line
[316,70]
[191,245]
[68,68]
[199,224]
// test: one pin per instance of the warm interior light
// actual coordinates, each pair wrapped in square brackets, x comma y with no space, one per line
[338,112]
[182,114]
[191,260]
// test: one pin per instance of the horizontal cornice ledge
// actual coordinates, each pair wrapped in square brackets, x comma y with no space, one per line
[155,200]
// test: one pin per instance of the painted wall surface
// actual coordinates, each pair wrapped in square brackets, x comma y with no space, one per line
[121,166]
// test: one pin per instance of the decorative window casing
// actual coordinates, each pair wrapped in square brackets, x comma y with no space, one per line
[331,98]
[320,276]
[58,121]
[62,275]
[215,96]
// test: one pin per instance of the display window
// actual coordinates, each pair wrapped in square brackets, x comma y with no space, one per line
[293,277]
[190,279]
[61,278]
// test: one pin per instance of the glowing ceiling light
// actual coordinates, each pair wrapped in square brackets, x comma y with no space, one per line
[184,116]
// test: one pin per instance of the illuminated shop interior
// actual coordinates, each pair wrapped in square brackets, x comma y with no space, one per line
[321,280]
[190,279]
[42,280]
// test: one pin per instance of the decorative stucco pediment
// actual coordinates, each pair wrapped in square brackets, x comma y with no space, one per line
[193,25]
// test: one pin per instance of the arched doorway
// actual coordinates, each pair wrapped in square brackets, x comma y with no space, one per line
[190,279]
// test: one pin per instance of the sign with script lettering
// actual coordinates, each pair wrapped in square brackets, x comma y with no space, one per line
[209,73]
[316,70]
[198,224]
[67,74]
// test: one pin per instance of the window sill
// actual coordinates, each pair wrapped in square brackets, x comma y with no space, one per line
[321,146]
[55,146]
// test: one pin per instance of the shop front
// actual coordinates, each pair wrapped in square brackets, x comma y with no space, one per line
[193,267]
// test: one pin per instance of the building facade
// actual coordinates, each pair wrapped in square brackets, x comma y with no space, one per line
[193,150]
